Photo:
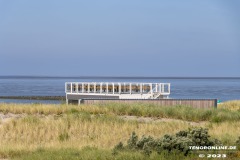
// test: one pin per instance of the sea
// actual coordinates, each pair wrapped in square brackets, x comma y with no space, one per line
[223,89]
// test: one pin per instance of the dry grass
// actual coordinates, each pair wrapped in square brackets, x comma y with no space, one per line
[45,109]
[76,131]
[119,109]
[61,126]
[227,132]
[230,105]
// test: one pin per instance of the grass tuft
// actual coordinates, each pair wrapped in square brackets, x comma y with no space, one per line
[63,136]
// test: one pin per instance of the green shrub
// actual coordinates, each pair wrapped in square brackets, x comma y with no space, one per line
[132,141]
[179,142]
[119,146]
[146,140]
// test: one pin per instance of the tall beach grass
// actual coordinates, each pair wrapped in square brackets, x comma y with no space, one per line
[230,105]
[51,130]
[145,110]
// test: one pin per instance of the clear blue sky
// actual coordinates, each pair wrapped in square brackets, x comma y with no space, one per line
[120,37]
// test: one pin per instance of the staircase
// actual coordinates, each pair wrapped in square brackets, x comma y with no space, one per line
[153,95]
[156,95]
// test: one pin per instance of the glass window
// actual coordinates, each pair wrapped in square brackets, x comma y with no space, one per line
[98,87]
[146,88]
[74,87]
[68,87]
[91,88]
[79,87]
[110,88]
[85,87]
[135,88]
[104,88]
[116,88]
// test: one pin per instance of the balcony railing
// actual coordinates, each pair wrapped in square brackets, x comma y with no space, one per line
[116,88]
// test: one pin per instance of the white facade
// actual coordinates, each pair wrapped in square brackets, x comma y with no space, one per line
[121,90]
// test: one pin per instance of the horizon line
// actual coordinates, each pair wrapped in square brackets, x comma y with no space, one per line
[118,77]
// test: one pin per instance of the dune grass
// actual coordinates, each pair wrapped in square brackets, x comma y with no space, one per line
[64,132]
[77,130]
[230,105]
[146,110]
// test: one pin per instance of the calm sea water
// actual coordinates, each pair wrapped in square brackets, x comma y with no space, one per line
[221,88]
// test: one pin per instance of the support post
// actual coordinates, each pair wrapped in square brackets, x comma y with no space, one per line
[66,100]
[119,87]
[151,88]
[79,101]
[88,87]
[130,88]
[82,87]
[77,87]
[141,88]
[94,87]
[160,87]
[113,87]
[107,88]
[169,88]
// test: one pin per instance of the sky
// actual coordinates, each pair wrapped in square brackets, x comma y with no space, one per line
[120,38]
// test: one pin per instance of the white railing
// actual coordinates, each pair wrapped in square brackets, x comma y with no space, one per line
[150,90]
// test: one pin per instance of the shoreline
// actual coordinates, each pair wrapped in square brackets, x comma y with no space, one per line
[34,97]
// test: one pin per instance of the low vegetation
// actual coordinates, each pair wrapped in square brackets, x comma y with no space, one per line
[179,142]
[230,105]
[145,110]
[39,131]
